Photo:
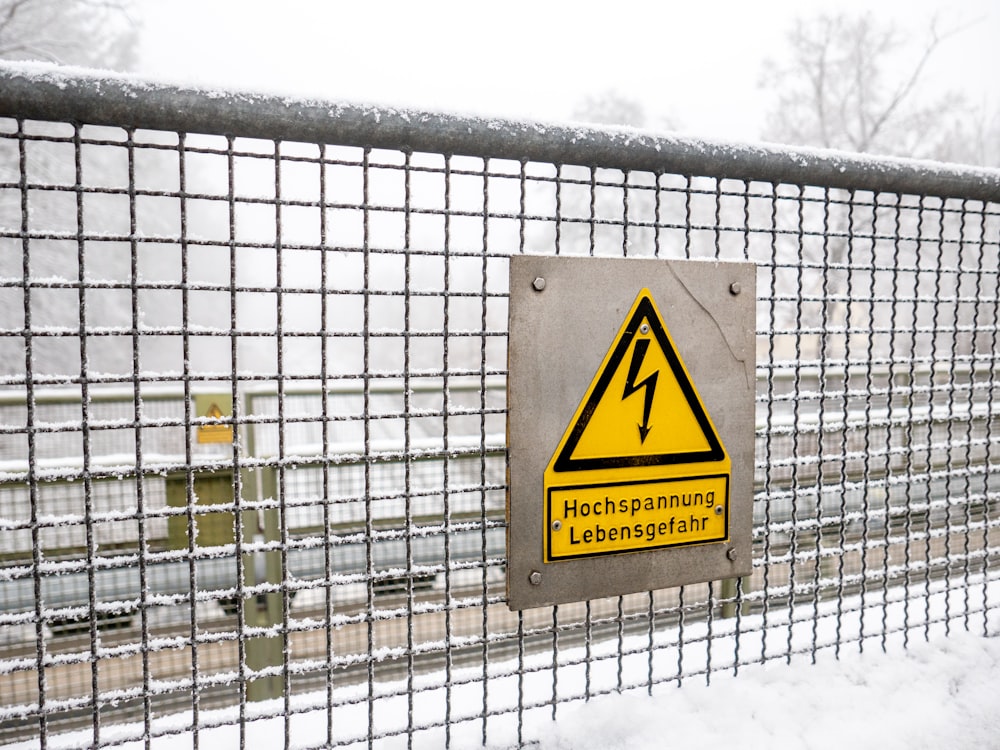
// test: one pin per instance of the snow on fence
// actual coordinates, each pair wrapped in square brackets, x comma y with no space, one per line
[252,411]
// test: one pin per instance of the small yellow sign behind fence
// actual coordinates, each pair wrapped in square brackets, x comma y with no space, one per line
[215,406]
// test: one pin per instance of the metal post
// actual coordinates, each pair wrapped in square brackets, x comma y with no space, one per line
[727,592]
[264,610]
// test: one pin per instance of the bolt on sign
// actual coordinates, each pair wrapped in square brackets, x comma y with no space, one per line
[631,440]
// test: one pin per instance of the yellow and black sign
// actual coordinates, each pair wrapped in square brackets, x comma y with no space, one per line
[215,406]
[630,425]
[640,466]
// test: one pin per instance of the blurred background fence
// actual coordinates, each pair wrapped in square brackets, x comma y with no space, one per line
[253,404]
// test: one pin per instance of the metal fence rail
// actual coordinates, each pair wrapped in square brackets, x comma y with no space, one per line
[252,412]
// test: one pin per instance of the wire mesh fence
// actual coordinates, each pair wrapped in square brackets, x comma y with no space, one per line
[252,413]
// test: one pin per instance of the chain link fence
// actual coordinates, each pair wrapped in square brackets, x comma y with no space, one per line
[252,412]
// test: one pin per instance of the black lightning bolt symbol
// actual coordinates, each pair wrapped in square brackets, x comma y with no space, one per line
[638,354]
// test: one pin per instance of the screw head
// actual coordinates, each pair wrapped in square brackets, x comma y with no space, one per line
[535,578]
[735,288]
[732,554]
[644,328]
[538,284]
[556,525]
[719,510]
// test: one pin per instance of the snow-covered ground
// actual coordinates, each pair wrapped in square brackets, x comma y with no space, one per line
[937,695]
[942,691]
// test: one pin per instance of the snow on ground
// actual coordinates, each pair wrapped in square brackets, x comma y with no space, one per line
[941,691]
[938,695]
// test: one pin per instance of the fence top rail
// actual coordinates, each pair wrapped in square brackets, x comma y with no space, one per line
[42,91]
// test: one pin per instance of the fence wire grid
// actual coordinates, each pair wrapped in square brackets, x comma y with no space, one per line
[252,412]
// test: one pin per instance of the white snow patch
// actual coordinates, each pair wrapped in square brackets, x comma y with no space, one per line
[941,694]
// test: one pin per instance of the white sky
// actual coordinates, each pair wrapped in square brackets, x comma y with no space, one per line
[696,63]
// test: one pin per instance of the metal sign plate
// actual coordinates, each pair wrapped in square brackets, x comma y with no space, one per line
[630,432]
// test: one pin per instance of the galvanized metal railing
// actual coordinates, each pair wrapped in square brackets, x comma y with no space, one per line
[252,361]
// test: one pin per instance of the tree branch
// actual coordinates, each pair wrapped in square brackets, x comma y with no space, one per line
[904,91]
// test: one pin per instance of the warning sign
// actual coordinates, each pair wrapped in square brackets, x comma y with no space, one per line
[214,407]
[630,425]
[640,465]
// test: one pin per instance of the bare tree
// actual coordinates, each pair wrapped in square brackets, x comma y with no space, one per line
[95,33]
[70,32]
[971,139]
[853,83]
[611,108]
[605,211]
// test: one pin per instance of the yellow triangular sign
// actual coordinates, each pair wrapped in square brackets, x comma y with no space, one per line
[641,408]
[640,465]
